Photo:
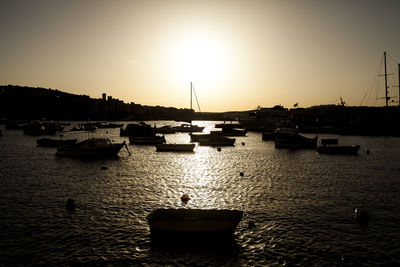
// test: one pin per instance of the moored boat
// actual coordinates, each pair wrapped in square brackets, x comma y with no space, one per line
[196,137]
[188,128]
[266,119]
[193,221]
[166,129]
[137,129]
[290,138]
[175,147]
[231,132]
[216,140]
[231,125]
[91,148]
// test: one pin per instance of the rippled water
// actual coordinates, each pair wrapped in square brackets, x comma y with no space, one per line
[302,203]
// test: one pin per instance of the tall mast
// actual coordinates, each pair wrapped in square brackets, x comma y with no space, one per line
[191,89]
[386,91]
[398,67]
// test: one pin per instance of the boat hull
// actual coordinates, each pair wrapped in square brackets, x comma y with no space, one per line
[225,142]
[193,223]
[290,138]
[175,147]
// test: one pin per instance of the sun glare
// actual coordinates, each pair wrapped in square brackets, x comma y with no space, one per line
[199,59]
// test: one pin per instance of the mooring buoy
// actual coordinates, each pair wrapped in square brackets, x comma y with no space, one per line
[185,198]
[70,205]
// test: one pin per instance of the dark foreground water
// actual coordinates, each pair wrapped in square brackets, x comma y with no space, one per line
[302,203]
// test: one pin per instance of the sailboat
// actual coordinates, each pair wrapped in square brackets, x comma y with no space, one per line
[188,127]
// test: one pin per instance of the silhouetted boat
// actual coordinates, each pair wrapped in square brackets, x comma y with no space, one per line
[166,129]
[195,137]
[231,132]
[216,140]
[137,129]
[290,138]
[89,128]
[91,148]
[266,119]
[175,147]
[338,149]
[187,128]
[229,125]
[146,140]
[104,125]
[47,142]
[193,221]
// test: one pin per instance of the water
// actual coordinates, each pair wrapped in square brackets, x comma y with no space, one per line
[302,203]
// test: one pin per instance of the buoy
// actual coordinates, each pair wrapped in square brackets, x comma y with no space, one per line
[243,143]
[361,216]
[185,198]
[251,224]
[241,174]
[219,149]
[104,168]
[367,151]
[70,205]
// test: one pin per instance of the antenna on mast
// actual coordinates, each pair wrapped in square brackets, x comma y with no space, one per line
[398,67]
[191,89]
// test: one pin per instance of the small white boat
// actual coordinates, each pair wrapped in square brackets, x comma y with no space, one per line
[91,148]
[175,147]
[187,221]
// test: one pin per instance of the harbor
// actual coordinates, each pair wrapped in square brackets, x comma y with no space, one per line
[298,205]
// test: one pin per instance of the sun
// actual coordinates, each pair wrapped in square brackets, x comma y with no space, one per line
[199,59]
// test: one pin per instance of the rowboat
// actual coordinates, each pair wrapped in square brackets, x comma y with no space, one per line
[175,147]
[193,223]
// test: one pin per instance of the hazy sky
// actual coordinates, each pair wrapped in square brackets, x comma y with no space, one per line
[239,54]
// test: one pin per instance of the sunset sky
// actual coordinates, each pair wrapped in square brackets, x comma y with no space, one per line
[238,54]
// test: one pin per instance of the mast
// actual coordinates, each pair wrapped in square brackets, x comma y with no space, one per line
[191,90]
[398,67]
[386,91]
